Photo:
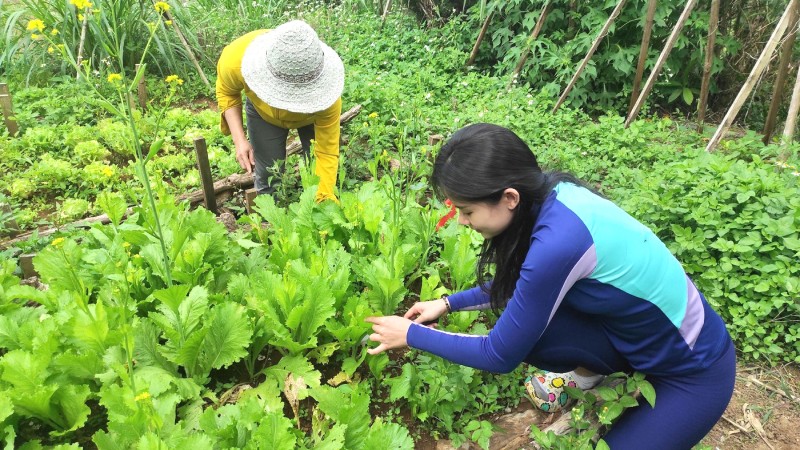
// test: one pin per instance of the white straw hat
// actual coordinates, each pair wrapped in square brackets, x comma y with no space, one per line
[290,68]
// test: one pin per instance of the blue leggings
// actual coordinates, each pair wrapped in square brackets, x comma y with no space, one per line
[687,406]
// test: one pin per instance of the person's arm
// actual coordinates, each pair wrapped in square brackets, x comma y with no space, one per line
[326,150]
[244,151]
[229,87]
[555,261]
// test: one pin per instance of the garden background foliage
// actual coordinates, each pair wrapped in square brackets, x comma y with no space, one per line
[163,329]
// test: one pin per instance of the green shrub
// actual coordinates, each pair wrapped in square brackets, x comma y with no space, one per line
[734,226]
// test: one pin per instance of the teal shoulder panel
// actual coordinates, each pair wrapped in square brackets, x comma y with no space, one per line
[630,257]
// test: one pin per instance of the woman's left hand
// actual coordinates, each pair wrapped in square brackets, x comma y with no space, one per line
[389,331]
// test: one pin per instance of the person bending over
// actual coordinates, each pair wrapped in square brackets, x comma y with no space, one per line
[291,81]
[585,290]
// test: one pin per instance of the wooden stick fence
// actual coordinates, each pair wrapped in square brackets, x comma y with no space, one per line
[589,54]
[783,70]
[648,30]
[755,73]
[662,58]
[713,24]
[534,34]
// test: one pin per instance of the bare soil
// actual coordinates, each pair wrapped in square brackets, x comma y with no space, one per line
[764,414]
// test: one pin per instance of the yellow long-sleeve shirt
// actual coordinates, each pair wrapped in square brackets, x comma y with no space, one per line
[230,84]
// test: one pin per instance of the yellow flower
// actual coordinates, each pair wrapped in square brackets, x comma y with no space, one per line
[108,171]
[126,244]
[57,242]
[114,77]
[81,4]
[35,36]
[167,22]
[51,50]
[373,115]
[174,79]
[36,25]
[161,7]
[142,396]
[80,17]
[53,32]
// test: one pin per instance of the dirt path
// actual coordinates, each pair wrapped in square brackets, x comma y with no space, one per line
[758,417]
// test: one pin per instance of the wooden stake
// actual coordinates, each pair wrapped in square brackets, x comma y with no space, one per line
[648,30]
[534,34]
[588,56]
[755,73]
[141,89]
[791,116]
[662,58]
[26,264]
[783,70]
[250,199]
[481,35]
[8,110]
[168,16]
[205,174]
[435,139]
[713,24]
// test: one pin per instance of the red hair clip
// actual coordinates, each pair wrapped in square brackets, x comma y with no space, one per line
[450,214]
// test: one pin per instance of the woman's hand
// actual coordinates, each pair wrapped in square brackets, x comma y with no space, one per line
[389,331]
[428,311]
[244,155]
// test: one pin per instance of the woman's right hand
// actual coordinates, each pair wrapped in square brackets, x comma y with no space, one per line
[244,155]
[422,312]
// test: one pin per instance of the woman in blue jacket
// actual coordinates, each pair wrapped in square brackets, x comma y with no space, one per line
[585,290]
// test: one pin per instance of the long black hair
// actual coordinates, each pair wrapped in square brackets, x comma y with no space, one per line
[477,164]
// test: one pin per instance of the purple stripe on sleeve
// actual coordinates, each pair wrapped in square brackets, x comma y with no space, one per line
[694,317]
[582,269]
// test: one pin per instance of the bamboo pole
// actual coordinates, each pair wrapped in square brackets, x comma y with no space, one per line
[755,73]
[168,16]
[794,110]
[385,11]
[713,24]
[588,56]
[648,30]
[141,90]
[662,58]
[8,110]
[783,70]
[481,35]
[79,61]
[534,34]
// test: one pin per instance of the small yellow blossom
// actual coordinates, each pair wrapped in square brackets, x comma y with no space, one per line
[114,77]
[126,244]
[168,22]
[366,125]
[108,171]
[81,4]
[80,17]
[142,396]
[35,36]
[53,32]
[51,50]
[162,7]
[174,79]
[57,242]
[36,25]
[373,115]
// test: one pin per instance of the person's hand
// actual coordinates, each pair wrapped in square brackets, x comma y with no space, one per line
[244,155]
[428,311]
[389,331]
